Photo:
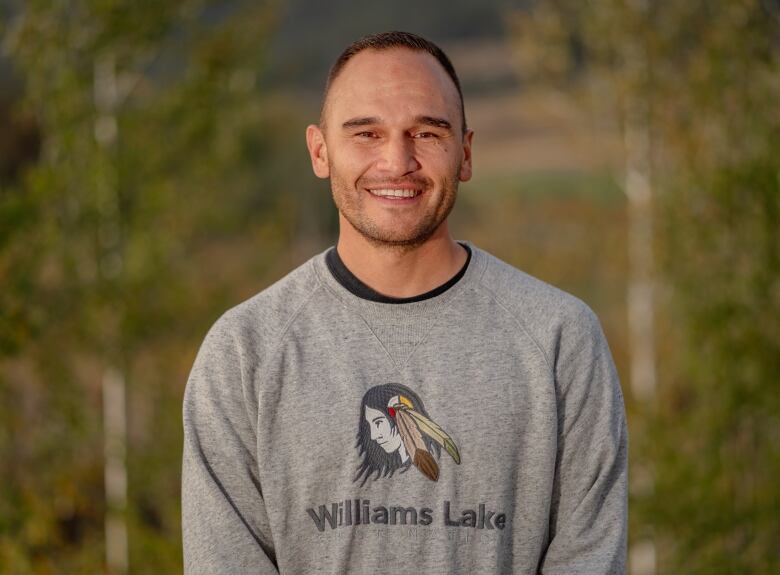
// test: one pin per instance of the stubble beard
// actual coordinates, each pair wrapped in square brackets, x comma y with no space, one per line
[350,201]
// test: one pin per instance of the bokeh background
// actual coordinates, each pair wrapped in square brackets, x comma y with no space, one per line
[153,173]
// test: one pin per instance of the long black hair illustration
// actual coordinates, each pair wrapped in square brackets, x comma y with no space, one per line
[396,432]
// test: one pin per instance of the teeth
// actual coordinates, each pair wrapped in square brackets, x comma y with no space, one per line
[395,193]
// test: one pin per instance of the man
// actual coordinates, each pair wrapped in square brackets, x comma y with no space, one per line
[310,404]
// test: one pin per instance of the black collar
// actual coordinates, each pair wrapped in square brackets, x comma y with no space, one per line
[347,279]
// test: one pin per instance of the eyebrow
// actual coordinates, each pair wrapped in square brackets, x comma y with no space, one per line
[435,122]
[359,122]
[372,120]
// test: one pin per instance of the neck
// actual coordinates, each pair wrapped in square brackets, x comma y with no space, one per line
[401,271]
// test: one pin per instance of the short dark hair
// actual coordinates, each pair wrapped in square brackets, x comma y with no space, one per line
[395,39]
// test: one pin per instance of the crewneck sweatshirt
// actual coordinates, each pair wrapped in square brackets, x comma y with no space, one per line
[478,431]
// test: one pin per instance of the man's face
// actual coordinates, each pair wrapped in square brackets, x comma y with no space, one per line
[392,145]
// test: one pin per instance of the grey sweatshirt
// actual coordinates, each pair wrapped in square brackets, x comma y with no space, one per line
[479,431]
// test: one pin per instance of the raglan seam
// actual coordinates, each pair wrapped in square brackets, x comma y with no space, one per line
[333,293]
[260,371]
[262,364]
[292,319]
[449,302]
[434,322]
[353,310]
[522,326]
[444,304]
[350,309]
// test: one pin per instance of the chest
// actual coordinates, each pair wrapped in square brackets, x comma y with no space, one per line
[342,413]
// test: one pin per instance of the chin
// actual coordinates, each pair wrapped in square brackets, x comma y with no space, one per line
[393,237]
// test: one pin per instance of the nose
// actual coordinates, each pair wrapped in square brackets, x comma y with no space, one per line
[397,156]
[375,433]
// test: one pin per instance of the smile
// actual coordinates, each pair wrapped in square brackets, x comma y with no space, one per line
[393,193]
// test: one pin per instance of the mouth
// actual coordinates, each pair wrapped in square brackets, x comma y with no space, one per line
[395,194]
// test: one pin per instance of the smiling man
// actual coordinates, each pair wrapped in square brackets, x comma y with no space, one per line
[393,141]
[401,349]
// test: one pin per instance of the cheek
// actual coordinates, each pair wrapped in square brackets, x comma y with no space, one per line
[353,158]
[438,156]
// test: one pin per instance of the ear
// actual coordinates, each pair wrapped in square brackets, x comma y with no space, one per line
[465,167]
[318,151]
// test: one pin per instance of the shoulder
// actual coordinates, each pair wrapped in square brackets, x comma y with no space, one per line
[554,318]
[258,322]
[531,299]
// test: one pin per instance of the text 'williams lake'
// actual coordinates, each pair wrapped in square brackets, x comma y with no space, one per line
[351,512]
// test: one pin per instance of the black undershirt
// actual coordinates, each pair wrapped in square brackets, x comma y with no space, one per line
[347,279]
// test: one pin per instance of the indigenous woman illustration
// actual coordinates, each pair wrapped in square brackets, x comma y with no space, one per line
[395,432]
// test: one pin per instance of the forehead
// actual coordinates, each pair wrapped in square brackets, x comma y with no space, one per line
[372,413]
[392,84]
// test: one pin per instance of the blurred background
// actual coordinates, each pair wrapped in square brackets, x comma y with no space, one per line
[153,173]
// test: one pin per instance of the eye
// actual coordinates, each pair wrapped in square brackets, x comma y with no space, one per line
[425,135]
[366,135]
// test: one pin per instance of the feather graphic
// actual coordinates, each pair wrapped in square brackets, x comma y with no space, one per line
[415,446]
[432,429]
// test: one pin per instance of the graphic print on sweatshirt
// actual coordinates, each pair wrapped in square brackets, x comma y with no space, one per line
[395,432]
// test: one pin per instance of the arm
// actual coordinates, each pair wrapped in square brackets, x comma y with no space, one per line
[588,518]
[225,527]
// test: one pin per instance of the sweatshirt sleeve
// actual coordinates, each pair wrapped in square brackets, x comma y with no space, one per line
[588,519]
[225,527]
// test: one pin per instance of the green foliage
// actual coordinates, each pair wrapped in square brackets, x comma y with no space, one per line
[714,437]
[717,496]
[107,246]
[704,74]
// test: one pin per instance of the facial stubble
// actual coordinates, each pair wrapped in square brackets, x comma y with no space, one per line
[351,201]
